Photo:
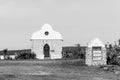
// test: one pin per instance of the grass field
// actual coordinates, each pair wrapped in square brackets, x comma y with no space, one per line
[52,70]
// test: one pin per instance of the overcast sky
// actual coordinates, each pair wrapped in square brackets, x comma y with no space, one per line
[78,21]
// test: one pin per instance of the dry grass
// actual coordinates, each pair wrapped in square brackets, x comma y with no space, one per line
[52,70]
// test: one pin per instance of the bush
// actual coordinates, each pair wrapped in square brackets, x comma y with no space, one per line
[26,56]
[73,54]
[115,60]
[113,54]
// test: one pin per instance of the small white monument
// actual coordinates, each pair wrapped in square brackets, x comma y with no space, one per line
[47,43]
[96,53]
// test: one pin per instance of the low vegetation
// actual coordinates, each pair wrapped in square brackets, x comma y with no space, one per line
[76,52]
[53,70]
[113,53]
[26,55]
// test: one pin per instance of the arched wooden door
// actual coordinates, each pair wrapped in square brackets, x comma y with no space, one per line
[46,50]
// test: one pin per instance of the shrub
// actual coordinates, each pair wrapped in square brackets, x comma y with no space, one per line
[26,56]
[73,54]
[113,54]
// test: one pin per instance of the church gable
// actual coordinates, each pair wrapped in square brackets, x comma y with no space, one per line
[46,32]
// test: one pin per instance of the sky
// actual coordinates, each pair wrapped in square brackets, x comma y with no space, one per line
[79,21]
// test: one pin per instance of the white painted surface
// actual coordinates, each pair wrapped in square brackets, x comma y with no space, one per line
[53,39]
[96,42]
[97,53]
[96,56]
[1,57]
[12,56]
[56,45]
[41,33]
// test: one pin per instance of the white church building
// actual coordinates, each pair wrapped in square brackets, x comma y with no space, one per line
[47,43]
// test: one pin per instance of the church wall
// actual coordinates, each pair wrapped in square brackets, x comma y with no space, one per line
[55,48]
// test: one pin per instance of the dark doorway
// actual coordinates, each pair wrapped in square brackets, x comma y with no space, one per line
[46,51]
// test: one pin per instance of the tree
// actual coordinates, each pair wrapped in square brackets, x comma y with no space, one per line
[79,51]
[119,42]
[5,53]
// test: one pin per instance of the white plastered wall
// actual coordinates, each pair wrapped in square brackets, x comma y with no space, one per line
[55,45]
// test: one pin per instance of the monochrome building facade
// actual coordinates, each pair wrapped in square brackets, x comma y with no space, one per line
[47,43]
[96,53]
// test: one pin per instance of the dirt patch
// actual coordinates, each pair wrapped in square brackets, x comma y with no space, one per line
[7,76]
[97,78]
[36,73]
